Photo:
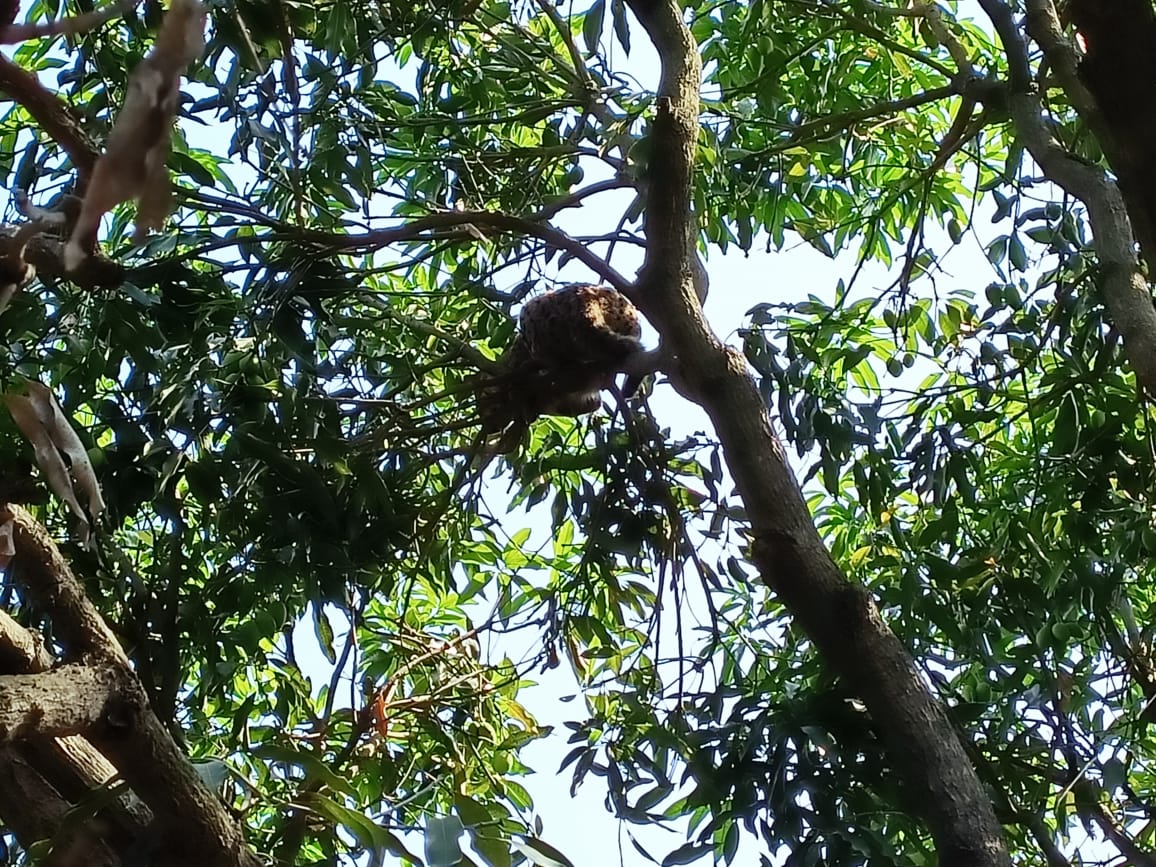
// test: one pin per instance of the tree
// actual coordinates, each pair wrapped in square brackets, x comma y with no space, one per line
[278,393]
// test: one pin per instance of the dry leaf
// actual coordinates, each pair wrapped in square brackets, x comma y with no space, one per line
[47,457]
[66,440]
[133,163]
[45,426]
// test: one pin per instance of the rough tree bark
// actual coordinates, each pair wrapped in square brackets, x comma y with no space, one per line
[1123,284]
[839,617]
[1119,70]
[96,695]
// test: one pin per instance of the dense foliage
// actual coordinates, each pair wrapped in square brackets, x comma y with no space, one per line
[279,404]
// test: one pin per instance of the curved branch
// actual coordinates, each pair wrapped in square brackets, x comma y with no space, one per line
[11,33]
[53,114]
[1125,290]
[839,617]
[68,700]
[828,124]
[501,222]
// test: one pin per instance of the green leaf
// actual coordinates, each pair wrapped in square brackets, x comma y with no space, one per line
[687,854]
[442,841]
[621,23]
[592,26]
[368,833]
[541,853]
[323,629]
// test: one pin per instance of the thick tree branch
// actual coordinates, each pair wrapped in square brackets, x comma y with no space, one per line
[41,778]
[68,700]
[50,583]
[53,114]
[35,810]
[1123,285]
[201,831]
[667,273]
[840,618]
[45,254]
[21,651]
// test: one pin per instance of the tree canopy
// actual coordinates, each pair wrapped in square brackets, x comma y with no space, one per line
[935,647]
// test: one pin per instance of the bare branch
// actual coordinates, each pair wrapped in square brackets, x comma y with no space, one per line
[65,26]
[930,12]
[576,198]
[35,810]
[823,126]
[46,255]
[416,229]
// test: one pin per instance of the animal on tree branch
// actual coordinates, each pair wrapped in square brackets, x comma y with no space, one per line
[571,344]
[133,163]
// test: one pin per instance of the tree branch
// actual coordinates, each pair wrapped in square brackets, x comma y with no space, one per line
[40,778]
[127,731]
[414,229]
[68,700]
[35,810]
[840,618]
[50,584]
[830,123]
[1110,87]
[11,33]
[51,113]
[21,650]
[1124,288]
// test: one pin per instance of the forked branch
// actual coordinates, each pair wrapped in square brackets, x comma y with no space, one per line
[117,720]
